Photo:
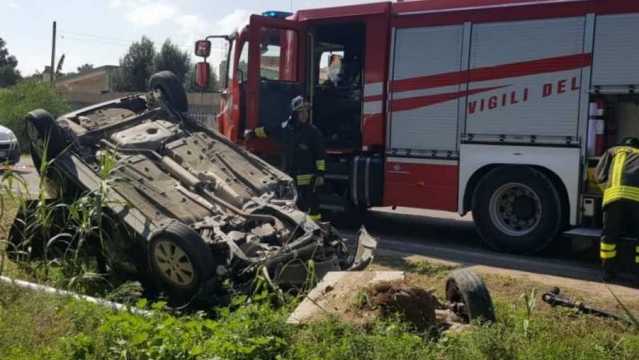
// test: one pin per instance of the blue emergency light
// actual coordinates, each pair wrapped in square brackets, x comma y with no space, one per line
[277,14]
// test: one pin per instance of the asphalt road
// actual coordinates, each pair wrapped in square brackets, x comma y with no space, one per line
[449,237]
[24,168]
[445,237]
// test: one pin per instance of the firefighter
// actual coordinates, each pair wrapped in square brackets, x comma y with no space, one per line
[304,154]
[618,173]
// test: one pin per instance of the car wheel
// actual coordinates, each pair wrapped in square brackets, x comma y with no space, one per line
[467,289]
[180,261]
[517,210]
[43,129]
[172,90]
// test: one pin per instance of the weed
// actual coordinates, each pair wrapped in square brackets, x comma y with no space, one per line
[530,301]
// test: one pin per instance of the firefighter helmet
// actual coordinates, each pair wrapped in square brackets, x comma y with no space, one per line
[631,141]
[298,104]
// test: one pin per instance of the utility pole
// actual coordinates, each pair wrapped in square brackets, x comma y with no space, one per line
[52,68]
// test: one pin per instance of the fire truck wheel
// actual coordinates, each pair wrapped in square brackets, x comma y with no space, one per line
[172,90]
[517,209]
[180,262]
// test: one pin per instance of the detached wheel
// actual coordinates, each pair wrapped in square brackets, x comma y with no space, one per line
[179,261]
[172,90]
[517,209]
[467,289]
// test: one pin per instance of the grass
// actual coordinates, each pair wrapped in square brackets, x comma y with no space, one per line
[39,326]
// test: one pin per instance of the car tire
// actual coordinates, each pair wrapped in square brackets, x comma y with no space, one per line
[517,209]
[42,126]
[466,287]
[172,90]
[179,261]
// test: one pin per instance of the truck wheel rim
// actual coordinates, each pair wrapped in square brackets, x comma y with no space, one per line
[515,209]
[174,263]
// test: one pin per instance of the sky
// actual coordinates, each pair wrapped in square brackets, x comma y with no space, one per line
[99,32]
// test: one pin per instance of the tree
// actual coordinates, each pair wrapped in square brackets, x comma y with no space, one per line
[85,68]
[9,75]
[173,59]
[136,67]
[27,95]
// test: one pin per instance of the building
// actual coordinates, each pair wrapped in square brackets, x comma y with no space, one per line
[95,81]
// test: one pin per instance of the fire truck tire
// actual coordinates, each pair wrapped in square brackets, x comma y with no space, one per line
[171,88]
[517,209]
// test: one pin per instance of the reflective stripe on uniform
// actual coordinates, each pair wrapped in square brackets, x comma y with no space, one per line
[637,259]
[615,193]
[260,132]
[626,149]
[617,168]
[607,254]
[320,165]
[316,217]
[607,247]
[637,249]
[304,179]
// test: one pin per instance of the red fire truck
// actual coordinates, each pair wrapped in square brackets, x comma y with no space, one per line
[499,107]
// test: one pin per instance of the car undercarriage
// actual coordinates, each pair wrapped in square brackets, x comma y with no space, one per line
[198,206]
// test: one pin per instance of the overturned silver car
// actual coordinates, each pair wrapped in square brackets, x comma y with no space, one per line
[194,207]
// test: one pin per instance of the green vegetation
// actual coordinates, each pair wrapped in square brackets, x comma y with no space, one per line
[36,326]
[39,326]
[9,73]
[18,100]
[142,60]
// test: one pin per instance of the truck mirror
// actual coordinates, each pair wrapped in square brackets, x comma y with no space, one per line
[202,73]
[203,48]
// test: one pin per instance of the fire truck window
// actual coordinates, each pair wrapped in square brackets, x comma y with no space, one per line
[276,54]
[337,100]
[330,68]
[225,69]
[242,65]
[218,61]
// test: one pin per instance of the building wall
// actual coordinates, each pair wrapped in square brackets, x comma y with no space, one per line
[91,83]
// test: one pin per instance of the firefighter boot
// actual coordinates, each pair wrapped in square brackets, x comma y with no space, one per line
[608,270]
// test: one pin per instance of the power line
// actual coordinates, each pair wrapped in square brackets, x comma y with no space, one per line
[94,36]
[98,41]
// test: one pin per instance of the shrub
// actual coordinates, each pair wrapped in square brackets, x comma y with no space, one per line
[18,100]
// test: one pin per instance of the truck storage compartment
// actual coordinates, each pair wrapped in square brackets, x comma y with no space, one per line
[523,83]
[616,51]
[425,108]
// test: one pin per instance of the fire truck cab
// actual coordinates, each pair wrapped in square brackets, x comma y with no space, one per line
[499,107]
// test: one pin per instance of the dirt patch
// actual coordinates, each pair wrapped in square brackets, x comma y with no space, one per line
[415,305]
[361,298]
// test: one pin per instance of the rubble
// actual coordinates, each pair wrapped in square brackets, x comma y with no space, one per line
[362,297]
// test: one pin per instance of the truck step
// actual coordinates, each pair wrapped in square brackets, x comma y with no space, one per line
[584,232]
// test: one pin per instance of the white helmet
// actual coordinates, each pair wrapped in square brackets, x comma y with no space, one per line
[298,103]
